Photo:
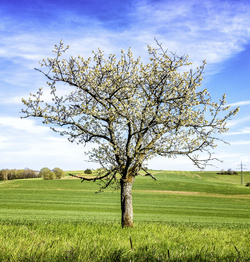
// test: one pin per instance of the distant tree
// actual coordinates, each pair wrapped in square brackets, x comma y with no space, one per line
[12,174]
[132,111]
[47,174]
[58,172]
[27,173]
[228,172]
[88,171]
[4,174]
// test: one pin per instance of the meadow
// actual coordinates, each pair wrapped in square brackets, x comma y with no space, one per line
[183,216]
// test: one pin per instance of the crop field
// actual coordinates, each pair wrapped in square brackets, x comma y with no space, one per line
[183,216]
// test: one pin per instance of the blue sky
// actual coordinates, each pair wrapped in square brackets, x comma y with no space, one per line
[218,31]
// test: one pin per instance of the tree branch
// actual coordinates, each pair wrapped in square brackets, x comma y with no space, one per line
[147,173]
[92,178]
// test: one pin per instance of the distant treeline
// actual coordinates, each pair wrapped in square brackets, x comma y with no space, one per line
[9,174]
[45,173]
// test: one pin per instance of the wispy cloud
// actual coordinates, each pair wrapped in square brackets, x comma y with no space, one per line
[241,103]
[240,142]
[202,29]
[27,125]
[25,143]
[236,122]
[10,100]
[242,131]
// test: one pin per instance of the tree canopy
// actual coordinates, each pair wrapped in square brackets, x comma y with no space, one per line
[132,111]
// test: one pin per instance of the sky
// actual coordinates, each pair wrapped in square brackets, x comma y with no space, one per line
[214,30]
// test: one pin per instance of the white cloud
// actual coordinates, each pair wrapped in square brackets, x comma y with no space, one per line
[3,141]
[237,122]
[10,100]
[210,34]
[27,125]
[164,163]
[204,30]
[241,103]
[240,142]
[38,152]
[215,33]
[242,131]
[24,143]
[227,156]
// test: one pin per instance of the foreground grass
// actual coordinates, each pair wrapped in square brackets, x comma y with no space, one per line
[66,241]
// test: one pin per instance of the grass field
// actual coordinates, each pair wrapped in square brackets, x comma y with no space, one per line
[183,216]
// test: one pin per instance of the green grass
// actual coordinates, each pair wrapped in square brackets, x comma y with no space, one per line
[183,216]
[95,241]
[208,182]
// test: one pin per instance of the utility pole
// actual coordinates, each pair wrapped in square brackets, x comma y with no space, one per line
[241,169]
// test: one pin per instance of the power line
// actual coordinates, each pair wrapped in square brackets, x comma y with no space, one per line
[241,169]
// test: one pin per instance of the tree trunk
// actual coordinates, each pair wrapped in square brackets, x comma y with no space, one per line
[126,201]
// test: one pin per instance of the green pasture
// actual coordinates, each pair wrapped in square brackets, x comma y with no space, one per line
[183,216]
[174,197]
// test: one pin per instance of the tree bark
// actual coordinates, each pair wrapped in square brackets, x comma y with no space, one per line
[126,201]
